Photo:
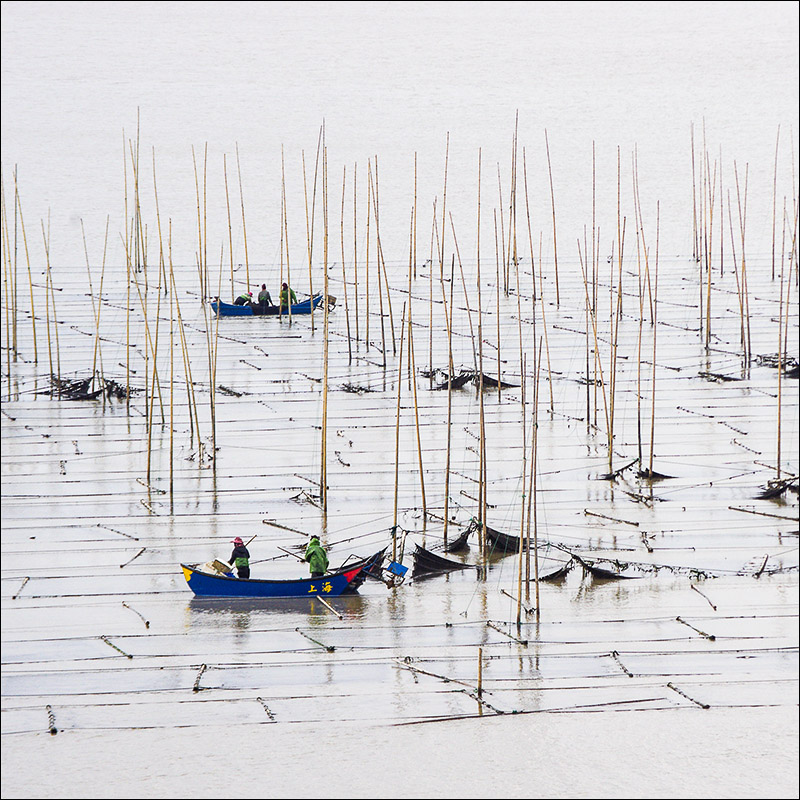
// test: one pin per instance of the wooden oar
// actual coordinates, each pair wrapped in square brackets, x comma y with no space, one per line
[328,605]
[289,552]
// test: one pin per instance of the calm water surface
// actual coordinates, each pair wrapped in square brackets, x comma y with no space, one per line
[403,82]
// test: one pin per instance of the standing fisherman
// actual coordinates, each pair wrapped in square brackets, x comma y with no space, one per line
[264,298]
[240,558]
[286,296]
[317,558]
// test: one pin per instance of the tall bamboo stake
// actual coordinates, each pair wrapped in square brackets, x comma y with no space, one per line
[553,204]
[655,335]
[28,262]
[397,438]
[230,227]
[244,226]
[324,458]
[344,276]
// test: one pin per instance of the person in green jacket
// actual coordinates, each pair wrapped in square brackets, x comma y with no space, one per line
[287,296]
[317,558]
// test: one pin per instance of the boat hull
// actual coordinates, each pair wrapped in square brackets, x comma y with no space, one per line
[254,310]
[205,585]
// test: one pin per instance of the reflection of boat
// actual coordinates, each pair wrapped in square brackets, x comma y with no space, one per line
[205,584]
[426,562]
[254,309]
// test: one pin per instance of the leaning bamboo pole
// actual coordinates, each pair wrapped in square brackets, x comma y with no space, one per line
[541,286]
[230,226]
[194,416]
[553,205]
[466,296]
[344,275]
[381,262]
[95,305]
[244,226]
[51,300]
[30,276]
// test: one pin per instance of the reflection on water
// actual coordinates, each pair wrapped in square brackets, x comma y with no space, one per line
[243,612]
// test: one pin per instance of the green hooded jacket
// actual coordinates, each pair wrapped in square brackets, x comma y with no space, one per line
[316,556]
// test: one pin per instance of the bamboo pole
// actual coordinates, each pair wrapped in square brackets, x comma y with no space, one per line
[553,204]
[244,226]
[355,251]
[397,438]
[28,262]
[324,459]
[344,276]
[230,227]
[413,368]
[655,336]
[448,316]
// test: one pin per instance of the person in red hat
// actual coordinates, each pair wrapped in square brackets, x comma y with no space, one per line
[240,558]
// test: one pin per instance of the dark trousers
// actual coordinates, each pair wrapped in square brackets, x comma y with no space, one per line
[317,574]
[244,572]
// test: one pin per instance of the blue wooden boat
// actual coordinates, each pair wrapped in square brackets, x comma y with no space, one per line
[204,584]
[224,309]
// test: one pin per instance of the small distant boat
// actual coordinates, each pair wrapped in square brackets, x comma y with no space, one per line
[206,584]
[224,309]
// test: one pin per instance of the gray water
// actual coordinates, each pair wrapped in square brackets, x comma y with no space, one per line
[681,682]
